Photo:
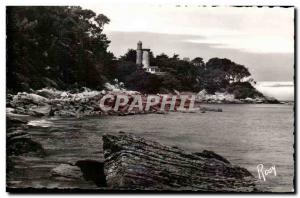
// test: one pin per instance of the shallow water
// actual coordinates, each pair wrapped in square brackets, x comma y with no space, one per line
[247,135]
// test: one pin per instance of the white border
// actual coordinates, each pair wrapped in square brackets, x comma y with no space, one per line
[81,2]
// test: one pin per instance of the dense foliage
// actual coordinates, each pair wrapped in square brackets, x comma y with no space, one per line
[64,47]
[56,46]
[215,75]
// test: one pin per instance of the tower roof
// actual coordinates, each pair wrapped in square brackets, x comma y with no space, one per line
[140,42]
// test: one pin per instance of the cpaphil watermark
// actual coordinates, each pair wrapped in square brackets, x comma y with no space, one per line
[140,102]
[263,172]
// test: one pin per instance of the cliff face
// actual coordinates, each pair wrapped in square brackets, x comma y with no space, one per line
[132,162]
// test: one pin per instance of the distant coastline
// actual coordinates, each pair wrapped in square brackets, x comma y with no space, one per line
[281,90]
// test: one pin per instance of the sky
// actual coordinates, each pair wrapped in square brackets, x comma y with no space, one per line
[262,39]
[280,90]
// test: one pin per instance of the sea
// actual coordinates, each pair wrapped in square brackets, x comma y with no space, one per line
[246,134]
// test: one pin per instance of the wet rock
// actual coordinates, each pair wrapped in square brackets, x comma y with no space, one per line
[132,162]
[40,110]
[18,141]
[85,102]
[30,104]
[249,100]
[51,102]
[17,133]
[68,171]
[23,144]
[49,93]
[21,110]
[28,98]
[226,98]
[212,155]
[217,97]
[271,100]
[14,121]
[65,113]
[210,109]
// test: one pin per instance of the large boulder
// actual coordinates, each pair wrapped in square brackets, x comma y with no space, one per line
[43,110]
[132,162]
[271,100]
[19,143]
[218,97]
[49,93]
[28,98]
[67,171]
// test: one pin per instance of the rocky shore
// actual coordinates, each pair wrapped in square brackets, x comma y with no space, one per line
[86,102]
[226,98]
[51,102]
[131,162]
[134,163]
[18,141]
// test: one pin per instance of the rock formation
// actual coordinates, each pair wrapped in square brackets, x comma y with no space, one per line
[18,141]
[51,102]
[132,162]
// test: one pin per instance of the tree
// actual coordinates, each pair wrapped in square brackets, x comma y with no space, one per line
[243,90]
[62,45]
[130,56]
[232,71]
[198,61]
[220,73]
[175,56]
[238,72]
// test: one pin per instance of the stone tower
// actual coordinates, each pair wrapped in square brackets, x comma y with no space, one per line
[139,53]
[146,59]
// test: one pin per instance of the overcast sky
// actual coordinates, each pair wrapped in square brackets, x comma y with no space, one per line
[262,39]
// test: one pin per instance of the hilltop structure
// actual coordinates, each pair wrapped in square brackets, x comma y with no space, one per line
[143,60]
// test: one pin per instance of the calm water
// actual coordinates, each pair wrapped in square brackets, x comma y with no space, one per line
[247,135]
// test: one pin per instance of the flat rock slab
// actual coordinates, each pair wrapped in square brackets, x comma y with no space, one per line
[134,163]
[67,171]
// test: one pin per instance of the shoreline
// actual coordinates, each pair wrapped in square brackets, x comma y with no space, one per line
[52,102]
[71,166]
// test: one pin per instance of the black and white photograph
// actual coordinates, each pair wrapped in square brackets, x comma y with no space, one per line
[156,98]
